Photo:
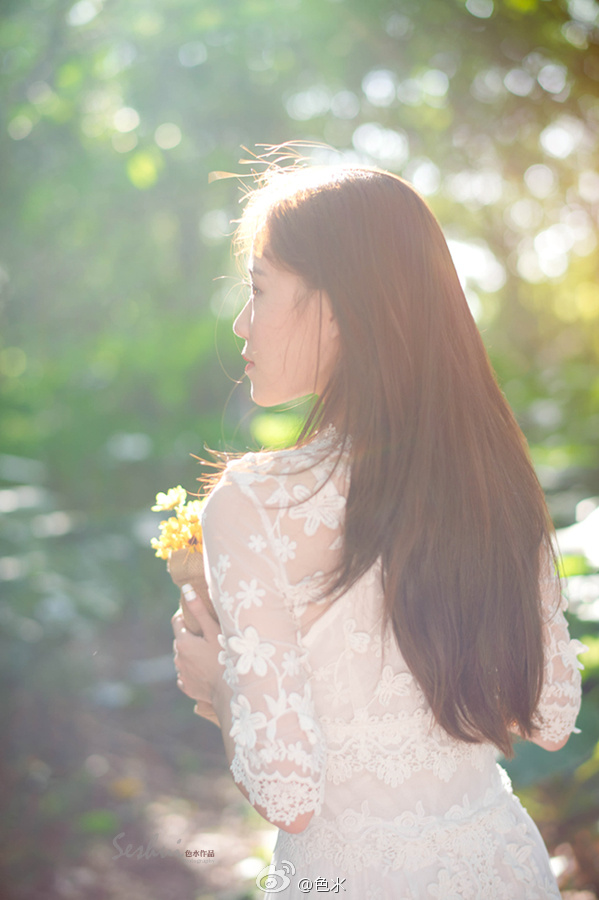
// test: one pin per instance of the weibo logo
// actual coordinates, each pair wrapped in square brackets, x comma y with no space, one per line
[275,880]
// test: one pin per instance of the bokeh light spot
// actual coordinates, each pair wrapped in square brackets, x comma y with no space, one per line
[588,186]
[167,136]
[540,180]
[576,35]
[435,82]
[83,12]
[345,105]
[192,54]
[142,170]
[587,300]
[379,87]
[126,119]
[40,93]
[123,143]
[528,266]
[552,78]
[308,104]
[482,9]
[488,85]
[19,127]
[215,226]
[399,26]
[424,175]
[475,189]
[409,92]
[390,148]
[525,213]
[562,137]
[129,446]
[586,11]
[519,82]
[149,23]
[476,263]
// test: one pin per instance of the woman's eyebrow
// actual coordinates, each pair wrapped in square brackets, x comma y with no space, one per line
[255,270]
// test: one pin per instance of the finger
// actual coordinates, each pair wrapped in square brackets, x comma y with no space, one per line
[188,592]
[201,614]
[178,624]
[191,621]
[190,606]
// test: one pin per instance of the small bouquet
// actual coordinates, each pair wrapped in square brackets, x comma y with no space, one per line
[180,543]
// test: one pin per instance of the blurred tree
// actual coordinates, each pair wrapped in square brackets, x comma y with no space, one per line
[115,114]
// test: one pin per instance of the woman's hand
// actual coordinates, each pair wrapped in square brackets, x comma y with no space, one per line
[196,655]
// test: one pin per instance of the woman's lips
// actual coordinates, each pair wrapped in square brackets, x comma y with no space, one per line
[250,363]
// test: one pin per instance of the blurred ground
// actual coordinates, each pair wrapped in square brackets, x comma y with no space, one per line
[138,803]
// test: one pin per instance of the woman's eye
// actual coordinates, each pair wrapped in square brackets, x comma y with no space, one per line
[254,291]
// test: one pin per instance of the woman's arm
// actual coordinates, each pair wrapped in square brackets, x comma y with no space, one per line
[561,695]
[262,698]
[199,675]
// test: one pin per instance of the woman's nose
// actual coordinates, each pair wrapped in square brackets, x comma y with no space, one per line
[241,323]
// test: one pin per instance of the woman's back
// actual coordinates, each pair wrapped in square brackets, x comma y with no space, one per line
[328,716]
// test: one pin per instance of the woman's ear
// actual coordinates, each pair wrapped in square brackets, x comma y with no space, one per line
[329,318]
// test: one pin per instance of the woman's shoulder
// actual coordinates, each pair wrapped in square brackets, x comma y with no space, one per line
[274,473]
[318,457]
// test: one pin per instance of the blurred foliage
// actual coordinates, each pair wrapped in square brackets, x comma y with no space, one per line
[117,291]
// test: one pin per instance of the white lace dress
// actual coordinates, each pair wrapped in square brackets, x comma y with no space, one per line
[327,717]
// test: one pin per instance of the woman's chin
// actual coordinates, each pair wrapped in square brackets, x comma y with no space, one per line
[267,399]
[266,402]
[262,398]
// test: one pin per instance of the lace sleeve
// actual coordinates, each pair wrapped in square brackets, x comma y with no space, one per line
[279,751]
[561,695]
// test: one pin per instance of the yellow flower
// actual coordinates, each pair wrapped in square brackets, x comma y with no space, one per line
[182,531]
[173,498]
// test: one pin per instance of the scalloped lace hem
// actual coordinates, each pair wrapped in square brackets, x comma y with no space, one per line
[282,797]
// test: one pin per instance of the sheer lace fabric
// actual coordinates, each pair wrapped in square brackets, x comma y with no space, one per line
[328,718]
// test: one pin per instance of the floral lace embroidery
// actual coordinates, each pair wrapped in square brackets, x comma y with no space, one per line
[396,747]
[478,853]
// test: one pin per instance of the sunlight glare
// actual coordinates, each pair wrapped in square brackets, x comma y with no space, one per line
[475,263]
[475,189]
[379,87]
[424,175]
[305,105]
[562,137]
[388,147]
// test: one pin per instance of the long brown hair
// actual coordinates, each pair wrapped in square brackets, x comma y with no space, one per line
[442,488]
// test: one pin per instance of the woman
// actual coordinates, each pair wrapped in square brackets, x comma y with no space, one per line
[385,589]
